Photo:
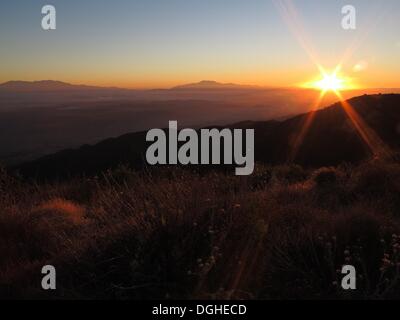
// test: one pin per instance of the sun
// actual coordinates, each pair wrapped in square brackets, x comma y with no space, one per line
[330,82]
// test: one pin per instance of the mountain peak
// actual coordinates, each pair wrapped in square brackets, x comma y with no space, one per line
[207,84]
[211,83]
[35,85]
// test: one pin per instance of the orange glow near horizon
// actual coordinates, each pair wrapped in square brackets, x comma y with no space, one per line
[327,82]
[333,81]
[335,84]
[330,82]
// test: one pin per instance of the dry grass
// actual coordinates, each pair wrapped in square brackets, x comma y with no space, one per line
[282,233]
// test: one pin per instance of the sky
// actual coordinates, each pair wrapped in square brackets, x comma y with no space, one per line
[162,43]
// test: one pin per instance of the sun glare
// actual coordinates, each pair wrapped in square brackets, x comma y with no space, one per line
[330,82]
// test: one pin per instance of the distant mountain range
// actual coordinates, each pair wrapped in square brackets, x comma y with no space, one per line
[55,85]
[52,92]
[52,85]
[43,85]
[330,140]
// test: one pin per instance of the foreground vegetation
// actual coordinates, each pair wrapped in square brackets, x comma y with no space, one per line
[282,233]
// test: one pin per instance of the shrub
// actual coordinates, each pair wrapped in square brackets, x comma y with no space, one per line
[59,211]
[326,177]
[179,234]
[290,173]
[376,179]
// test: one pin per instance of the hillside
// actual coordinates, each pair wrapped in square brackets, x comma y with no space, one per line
[331,139]
[167,233]
[283,232]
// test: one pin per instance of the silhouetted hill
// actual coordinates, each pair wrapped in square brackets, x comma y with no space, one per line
[26,86]
[210,85]
[331,139]
[44,85]
[54,85]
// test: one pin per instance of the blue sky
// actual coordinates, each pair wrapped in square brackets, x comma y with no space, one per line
[151,43]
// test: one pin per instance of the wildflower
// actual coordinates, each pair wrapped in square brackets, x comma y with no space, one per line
[329,245]
[386,262]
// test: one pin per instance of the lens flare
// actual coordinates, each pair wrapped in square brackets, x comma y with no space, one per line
[330,82]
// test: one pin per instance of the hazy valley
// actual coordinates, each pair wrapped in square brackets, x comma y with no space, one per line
[39,118]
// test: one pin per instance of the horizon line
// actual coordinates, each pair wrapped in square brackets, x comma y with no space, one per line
[255,86]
